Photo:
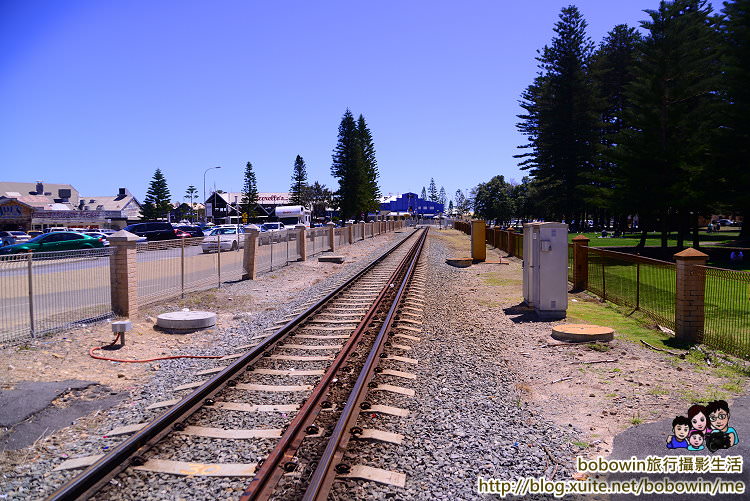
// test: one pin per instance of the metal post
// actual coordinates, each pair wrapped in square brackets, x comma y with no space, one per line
[218,256]
[637,285]
[31,295]
[287,247]
[271,245]
[182,266]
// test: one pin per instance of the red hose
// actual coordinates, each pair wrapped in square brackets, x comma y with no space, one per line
[92,350]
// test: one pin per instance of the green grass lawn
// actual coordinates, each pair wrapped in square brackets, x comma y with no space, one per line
[652,289]
[654,239]
[725,237]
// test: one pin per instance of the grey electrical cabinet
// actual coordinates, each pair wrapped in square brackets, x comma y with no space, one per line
[545,268]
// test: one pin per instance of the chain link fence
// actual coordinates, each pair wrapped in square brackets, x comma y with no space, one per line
[42,292]
[277,249]
[341,236]
[638,282]
[317,241]
[170,268]
[726,323]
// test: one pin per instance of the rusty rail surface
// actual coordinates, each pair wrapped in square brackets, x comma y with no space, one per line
[280,460]
[328,465]
[130,452]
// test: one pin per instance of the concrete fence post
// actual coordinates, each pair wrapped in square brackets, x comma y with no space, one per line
[302,241]
[250,255]
[690,291]
[350,228]
[580,263]
[372,229]
[478,244]
[362,225]
[331,236]
[123,273]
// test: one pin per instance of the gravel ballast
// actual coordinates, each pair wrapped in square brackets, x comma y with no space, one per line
[467,419]
[32,476]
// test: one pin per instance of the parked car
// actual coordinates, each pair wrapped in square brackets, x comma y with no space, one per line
[96,234]
[274,226]
[56,228]
[6,238]
[34,233]
[55,241]
[156,230]
[20,236]
[193,231]
[227,238]
[726,222]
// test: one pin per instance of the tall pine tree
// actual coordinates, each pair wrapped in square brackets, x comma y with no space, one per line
[561,120]
[372,189]
[664,155]
[298,192]
[423,196]
[157,203]
[249,192]
[432,191]
[612,72]
[736,141]
[349,169]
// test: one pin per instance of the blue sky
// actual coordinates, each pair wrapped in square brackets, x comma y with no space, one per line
[99,94]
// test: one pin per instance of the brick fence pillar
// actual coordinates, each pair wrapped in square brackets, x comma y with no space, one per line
[350,228]
[372,230]
[332,236]
[302,241]
[123,273]
[250,255]
[478,247]
[362,225]
[690,289]
[580,263]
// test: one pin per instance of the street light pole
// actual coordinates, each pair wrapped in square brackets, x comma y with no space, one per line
[204,190]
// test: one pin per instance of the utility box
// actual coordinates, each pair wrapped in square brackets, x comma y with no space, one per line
[478,244]
[545,269]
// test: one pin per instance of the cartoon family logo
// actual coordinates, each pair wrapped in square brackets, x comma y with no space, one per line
[703,428]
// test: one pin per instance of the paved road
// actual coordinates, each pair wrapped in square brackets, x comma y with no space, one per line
[77,289]
[10,269]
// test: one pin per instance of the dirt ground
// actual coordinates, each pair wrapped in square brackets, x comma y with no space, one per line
[627,384]
[65,355]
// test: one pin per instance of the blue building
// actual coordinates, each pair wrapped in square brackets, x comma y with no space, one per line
[410,204]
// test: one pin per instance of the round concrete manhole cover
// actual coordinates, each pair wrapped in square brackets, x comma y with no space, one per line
[186,320]
[580,333]
[459,262]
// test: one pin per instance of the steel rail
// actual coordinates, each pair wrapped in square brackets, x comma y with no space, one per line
[264,482]
[267,477]
[130,451]
[324,475]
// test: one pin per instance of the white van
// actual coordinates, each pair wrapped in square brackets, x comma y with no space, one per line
[291,215]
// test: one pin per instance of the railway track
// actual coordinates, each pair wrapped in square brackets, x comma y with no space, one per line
[279,415]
